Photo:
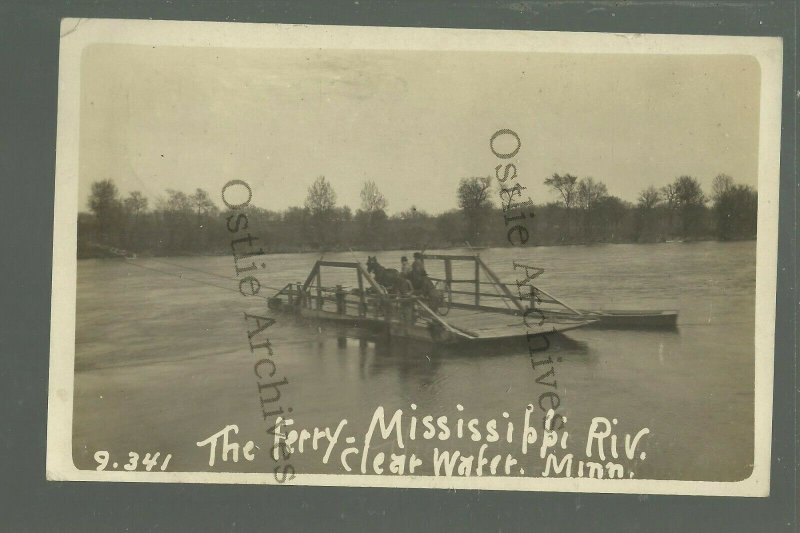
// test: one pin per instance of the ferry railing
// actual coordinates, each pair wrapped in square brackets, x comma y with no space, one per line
[503,291]
[373,299]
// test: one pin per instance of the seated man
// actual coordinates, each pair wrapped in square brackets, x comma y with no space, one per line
[418,274]
[405,267]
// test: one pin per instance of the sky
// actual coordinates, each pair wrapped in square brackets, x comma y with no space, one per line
[415,122]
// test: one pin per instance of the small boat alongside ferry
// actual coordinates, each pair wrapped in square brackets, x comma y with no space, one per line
[631,319]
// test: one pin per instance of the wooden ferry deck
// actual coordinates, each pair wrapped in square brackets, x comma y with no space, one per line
[487,325]
[487,311]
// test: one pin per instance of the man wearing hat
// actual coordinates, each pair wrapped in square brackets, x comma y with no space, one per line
[418,273]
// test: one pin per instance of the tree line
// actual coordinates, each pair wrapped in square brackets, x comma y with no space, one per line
[584,212]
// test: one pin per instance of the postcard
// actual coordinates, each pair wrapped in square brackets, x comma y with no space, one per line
[414,257]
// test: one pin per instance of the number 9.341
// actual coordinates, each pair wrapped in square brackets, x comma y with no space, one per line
[148,462]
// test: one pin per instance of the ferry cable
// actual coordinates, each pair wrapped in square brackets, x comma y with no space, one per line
[204,272]
[192,279]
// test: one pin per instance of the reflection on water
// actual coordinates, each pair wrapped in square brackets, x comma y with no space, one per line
[163,362]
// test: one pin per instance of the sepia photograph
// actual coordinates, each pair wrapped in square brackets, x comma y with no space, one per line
[479,259]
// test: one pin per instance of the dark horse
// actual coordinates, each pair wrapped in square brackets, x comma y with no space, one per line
[390,278]
[396,283]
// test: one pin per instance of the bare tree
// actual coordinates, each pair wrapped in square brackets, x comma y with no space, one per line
[690,200]
[473,193]
[722,183]
[204,208]
[649,198]
[202,203]
[135,204]
[473,198]
[689,192]
[104,203]
[590,193]
[320,202]
[176,211]
[567,187]
[670,196]
[103,197]
[321,197]
[371,198]
[372,217]
[177,202]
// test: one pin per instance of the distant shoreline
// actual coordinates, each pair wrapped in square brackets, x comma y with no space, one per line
[104,254]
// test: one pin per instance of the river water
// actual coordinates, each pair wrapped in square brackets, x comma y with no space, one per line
[162,362]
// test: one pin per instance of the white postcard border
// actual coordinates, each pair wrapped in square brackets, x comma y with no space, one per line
[77,34]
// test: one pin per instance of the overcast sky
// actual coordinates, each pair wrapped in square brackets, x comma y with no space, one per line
[154,118]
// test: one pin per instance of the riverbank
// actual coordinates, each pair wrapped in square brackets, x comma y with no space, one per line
[95,251]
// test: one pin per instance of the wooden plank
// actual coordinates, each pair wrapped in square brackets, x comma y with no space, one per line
[362,310]
[495,295]
[343,264]
[486,308]
[448,274]
[469,314]
[486,321]
[477,282]
[470,310]
[311,275]
[467,331]
[331,290]
[329,315]
[487,294]
[319,287]
[322,298]
[452,257]
[559,301]
[438,319]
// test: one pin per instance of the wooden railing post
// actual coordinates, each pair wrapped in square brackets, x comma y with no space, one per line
[362,304]
[319,289]
[340,305]
[477,283]
[448,279]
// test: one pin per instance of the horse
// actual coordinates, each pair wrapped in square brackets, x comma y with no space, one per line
[396,283]
[389,278]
